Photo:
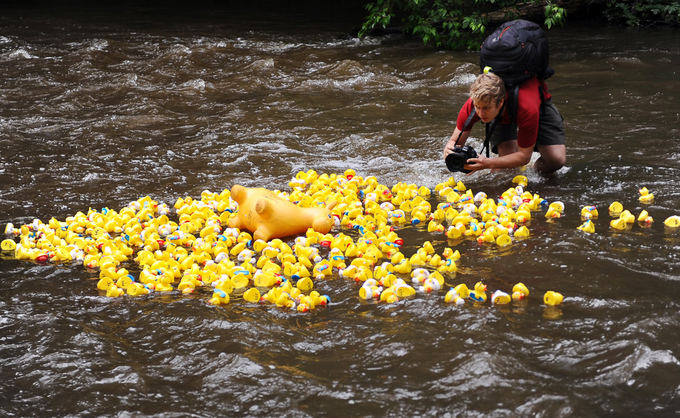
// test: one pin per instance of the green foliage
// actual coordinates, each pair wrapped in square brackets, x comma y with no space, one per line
[643,12]
[554,15]
[455,24]
[379,15]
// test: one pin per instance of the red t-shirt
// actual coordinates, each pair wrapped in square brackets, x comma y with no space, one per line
[528,110]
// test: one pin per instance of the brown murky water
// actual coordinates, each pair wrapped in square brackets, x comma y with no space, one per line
[97,114]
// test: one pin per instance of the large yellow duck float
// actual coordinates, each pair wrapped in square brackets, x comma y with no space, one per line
[268,216]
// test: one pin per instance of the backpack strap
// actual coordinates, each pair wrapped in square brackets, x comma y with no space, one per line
[490,128]
[541,92]
[514,100]
[514,103]
[487,137]
[467,125]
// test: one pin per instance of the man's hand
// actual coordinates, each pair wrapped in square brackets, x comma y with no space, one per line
[448,148]
[457,137]
[476,164]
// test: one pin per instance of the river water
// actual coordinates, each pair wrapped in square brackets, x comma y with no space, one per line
[98,110]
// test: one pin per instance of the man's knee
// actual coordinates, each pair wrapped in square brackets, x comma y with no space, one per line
[559,161]
[554,155]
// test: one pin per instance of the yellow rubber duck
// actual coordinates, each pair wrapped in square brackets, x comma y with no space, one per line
[521,232]
[266,279]
[361,274]
[417,217]
[388,296]
[272,294]
[8,245]
[645,196]
[418,259]
[453,297]
[386,281]
[448,266]
[672,221]
[186,286]
[348,272]
[628,217]
[462,290]
[615,209]
[454,233]
[523,216]
[479,292]
[137,289]
[644,219]
[319,299]
[557,206]
[437,276]
[240,279]
[553,213]
[435,261]
[449,253]
[402,289]
[588,227]
[114,291]
[163,286]
[219,297]
[370,292]
[303,307]
[503,240]
[434,226]
[499,297]
[519,291]
[252,295]
[520,180]
[619,224]
[552,298]
[479,198]
[430,285]
[305,284]
[104,283]
[124,281]
[307,302]
[486,236]
[419,275]
[11,230]
[589,212]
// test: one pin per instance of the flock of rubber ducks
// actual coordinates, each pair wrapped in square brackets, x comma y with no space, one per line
[624,219]
[188,247]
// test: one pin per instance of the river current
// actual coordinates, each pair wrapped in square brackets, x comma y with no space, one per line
[98,111]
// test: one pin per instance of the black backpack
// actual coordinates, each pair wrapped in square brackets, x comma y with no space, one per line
[516,51]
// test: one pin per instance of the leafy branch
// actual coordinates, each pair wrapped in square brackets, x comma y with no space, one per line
[454,24]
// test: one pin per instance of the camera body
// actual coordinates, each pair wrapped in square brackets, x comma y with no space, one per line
[458,158]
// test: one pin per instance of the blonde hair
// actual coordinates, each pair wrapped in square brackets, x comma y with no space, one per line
[488,88]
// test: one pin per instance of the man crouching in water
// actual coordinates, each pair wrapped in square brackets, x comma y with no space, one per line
[536,127]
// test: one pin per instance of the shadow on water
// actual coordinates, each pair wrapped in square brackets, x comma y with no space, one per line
[98,115]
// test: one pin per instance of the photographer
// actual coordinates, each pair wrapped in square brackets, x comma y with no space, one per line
[534,124]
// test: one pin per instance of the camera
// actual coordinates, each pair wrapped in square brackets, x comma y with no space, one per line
[458,158]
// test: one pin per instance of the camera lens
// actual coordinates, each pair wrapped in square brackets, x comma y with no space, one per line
[458,158]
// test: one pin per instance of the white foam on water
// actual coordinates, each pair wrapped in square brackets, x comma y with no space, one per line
[21,53]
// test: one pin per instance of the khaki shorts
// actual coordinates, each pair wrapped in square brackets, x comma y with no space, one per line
[550,129]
